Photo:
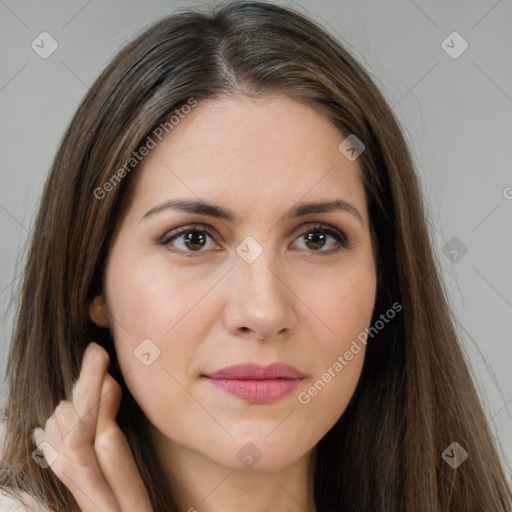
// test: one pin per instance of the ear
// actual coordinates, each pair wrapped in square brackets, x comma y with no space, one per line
[98,311]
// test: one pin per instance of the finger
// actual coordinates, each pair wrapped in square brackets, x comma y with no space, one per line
[38,436]
[44,454]
[70,433]
[114,454]
[72,459]
[66,431]
[88,386]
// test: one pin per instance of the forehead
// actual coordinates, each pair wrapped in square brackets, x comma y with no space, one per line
[254,154]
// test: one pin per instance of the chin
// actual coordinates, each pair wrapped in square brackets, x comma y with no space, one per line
[258,454]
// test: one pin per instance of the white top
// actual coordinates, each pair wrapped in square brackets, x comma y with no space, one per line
[27,504]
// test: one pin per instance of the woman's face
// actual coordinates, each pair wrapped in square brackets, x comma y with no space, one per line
[257,285]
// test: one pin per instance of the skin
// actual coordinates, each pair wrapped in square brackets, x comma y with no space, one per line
[294,303]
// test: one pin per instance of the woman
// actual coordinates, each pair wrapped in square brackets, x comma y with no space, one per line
[232,287]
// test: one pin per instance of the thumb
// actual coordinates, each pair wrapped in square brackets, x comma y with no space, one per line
[114,454]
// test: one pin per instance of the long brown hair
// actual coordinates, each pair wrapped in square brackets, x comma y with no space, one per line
[415,395]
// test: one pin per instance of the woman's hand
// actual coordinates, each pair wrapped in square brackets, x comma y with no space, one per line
[93,457]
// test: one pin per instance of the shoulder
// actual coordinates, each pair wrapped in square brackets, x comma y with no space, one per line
[10,504]
[21,502]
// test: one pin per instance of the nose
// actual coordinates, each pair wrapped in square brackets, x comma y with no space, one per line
[261,303]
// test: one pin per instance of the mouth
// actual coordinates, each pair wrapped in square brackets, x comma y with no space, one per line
[255,383]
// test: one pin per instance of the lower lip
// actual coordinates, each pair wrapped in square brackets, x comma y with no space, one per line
[257,391]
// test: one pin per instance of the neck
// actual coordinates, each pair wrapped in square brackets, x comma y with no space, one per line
[198,484]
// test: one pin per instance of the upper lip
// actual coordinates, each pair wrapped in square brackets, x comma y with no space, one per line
[255,371]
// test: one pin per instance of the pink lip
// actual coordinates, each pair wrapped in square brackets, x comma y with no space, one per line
[255,383]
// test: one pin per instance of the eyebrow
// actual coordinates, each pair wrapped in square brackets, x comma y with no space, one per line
[219,212]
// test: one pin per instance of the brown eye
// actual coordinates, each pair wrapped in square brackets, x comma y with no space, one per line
[188,239]
[317,237]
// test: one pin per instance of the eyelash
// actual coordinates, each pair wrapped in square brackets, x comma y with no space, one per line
[341,239]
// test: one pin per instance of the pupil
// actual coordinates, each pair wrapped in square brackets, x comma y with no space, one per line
[190,239]
[314,237]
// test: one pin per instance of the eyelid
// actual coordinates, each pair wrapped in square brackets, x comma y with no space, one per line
[332,231]
[169,235]
[339,235]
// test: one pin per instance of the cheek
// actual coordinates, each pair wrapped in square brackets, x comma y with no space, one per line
[143,306]
[159,317]
[345,306]
[149,299]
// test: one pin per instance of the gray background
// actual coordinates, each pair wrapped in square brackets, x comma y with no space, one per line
[456,113]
